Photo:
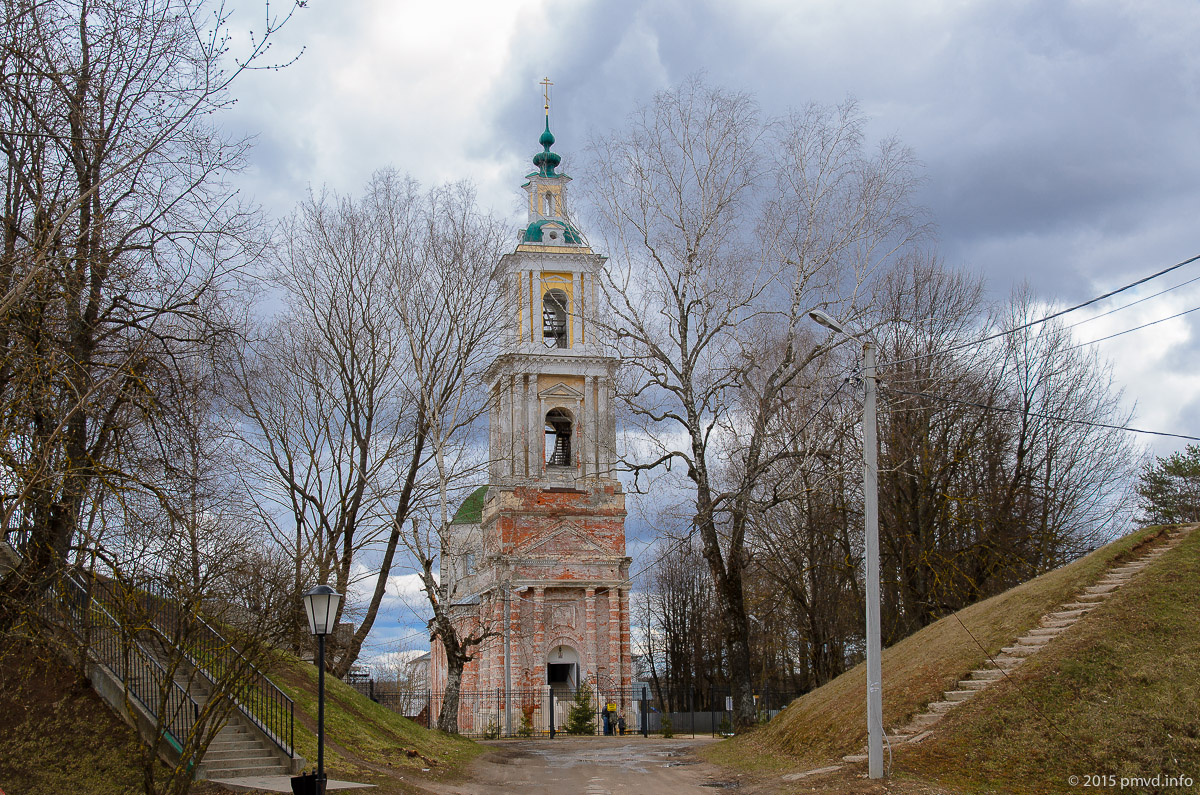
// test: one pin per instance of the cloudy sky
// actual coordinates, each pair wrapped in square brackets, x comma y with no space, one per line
[1059,140]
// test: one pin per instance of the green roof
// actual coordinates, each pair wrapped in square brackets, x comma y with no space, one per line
[533,233]
[471,510]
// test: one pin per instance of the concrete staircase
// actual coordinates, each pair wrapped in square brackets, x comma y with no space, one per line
[239,749]
[1049,626]
[236,752]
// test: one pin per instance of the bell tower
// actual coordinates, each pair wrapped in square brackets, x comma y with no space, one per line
[551,565]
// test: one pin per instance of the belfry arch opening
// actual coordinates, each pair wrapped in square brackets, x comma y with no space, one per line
[559,424]
[554,319]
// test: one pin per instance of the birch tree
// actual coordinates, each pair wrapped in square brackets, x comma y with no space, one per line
[353,396]
[119,239]
[725,229]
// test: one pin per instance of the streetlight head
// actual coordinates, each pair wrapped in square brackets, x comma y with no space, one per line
[321,604]
[827,321]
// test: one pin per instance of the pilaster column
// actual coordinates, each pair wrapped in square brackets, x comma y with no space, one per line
[626,660]
[530,387]
[519,304]
[589,628]
[539,630]
[537,430]
[533,300]
[504,451]
[576,309]
[587,422]
[497,655]
[604,427]
[614,635]
[514,639]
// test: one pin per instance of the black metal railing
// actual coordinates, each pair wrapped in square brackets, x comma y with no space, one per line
[146,680]
[259,699]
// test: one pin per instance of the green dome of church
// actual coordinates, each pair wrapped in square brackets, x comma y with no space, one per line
[546,161]
[533,233]
[471,510]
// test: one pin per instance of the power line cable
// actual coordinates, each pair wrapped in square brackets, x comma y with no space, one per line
[1051,417]
[1051,316]
[1136,328]
[1135,303]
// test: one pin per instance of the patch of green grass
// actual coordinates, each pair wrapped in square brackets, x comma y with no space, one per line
[829,722]
[370,733]
[1117,695]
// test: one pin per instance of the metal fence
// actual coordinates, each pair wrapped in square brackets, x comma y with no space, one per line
[144,677]
[547,711]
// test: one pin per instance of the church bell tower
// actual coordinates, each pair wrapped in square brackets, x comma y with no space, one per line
[551,563]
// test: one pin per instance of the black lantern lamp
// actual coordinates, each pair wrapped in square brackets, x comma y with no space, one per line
[321,606]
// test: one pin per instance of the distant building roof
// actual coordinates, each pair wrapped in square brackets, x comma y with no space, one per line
[471,510]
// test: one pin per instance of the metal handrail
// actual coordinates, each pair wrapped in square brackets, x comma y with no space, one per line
[260,700]
[136,667]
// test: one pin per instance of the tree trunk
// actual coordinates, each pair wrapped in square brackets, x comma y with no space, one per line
[448,717]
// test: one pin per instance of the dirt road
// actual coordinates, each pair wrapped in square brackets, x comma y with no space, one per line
[594,766]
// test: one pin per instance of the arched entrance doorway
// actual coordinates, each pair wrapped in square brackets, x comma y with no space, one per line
[562,667]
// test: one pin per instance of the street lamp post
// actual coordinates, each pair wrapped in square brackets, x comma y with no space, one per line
[871,521]
[321,605]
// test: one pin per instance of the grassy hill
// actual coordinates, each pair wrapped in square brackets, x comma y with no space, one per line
[1116,696]
[363,740]
[57,736]
[1100,700]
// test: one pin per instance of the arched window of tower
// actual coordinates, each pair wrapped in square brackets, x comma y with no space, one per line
[554,318]
[549,204]
[558,438]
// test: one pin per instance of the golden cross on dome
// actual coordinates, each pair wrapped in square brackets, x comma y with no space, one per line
[546,92]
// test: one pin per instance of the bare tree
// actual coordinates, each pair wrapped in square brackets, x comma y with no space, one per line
[359,393]
[725,231]
[994,466]
[808,547]
[119,237]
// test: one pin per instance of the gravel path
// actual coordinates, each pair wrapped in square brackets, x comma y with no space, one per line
[594,766]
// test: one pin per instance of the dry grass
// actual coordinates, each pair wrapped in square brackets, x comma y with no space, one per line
[1116,696]
[56,735]
[830,721]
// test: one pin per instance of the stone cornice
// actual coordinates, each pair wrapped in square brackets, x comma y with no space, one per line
[582,258]
[533,362]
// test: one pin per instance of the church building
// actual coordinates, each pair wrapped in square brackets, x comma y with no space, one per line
[539,553]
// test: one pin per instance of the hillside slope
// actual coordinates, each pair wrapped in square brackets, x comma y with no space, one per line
[830,722]
[365,741]
[1117,697]
[57,736]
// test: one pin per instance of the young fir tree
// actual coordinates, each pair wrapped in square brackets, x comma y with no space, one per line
[581,719]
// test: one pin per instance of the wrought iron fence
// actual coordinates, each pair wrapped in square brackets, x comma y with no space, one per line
[546,711]
[257,697]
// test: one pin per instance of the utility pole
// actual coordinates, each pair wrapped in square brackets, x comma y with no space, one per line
[871,522]
[871,512]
